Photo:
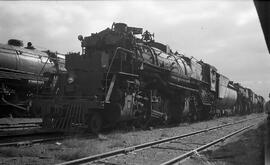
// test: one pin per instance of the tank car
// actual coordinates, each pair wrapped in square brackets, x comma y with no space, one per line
[227,96]
[121,77]
[260,105]
[257,104]
[23,72]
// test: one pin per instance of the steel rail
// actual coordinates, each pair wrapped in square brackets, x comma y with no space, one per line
[144,145]
[40,139]
[201,148]
[18,126]
[22,126]
[28,142]
[34,122]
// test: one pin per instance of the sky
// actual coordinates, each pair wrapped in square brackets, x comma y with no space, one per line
[224,33]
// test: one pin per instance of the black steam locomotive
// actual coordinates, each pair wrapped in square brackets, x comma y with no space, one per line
[23,72]
[120,77]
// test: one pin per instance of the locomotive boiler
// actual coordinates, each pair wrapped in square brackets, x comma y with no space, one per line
[121,77]
[23,72]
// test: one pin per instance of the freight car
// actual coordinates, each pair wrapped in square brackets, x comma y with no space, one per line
[24,71]
[121,77]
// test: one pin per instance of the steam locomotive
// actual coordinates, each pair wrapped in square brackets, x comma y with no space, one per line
[23,72]
[121,77]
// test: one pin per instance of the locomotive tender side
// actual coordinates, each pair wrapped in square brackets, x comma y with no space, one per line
[227,94]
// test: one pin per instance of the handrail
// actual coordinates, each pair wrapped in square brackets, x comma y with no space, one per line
[114,55]
[41,72]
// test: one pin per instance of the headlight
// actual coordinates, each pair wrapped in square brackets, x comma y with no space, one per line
[70,80]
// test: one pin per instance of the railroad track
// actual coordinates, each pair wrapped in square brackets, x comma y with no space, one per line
[169,150]
[18,130]
[39,137]
[19,126]
[32,140]
[27,139]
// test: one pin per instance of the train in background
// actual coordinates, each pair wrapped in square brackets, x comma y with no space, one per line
[122,77]
[24,72]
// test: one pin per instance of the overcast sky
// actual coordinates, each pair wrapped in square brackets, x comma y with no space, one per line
[226,34]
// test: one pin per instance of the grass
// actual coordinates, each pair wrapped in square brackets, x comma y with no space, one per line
[71,155]
[76,148]
[120,140]
[9,152]
[74,143]
[117,141]
[118,144]
[68,150]
[79,152]
[200,160]
[21,152]
[164,134]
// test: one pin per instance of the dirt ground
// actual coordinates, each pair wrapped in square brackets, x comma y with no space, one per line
[245,149]
[74,148]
